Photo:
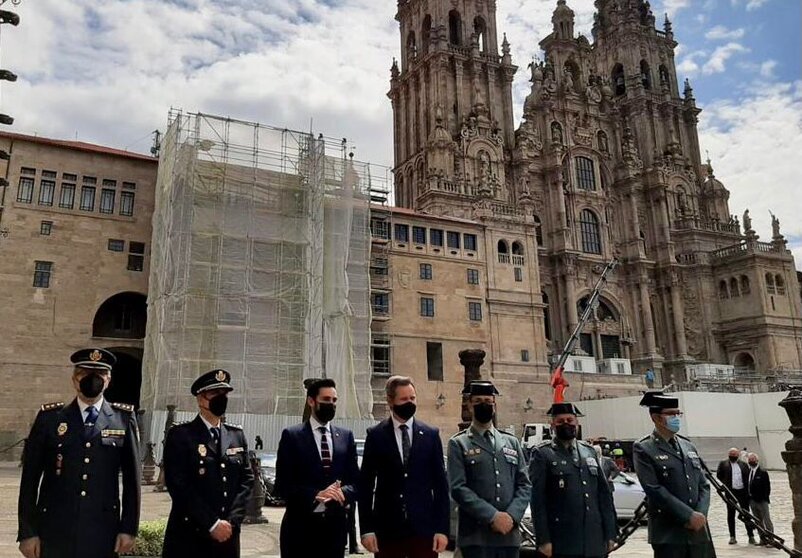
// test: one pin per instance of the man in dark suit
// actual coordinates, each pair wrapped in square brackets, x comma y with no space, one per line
[672,476]
[759,488]
[208,475]
[403,489]
[734,474]
[77,452]
[316,474]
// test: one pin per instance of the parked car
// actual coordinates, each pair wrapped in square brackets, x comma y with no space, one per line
[267,465]
[627,497]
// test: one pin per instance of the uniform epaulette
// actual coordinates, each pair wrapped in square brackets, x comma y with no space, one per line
[586,444]
[507,433]
[122,407]
[51,406]
[460,432]
[543,444]
[179,423]
[234,426]
[647,437]
[683,437]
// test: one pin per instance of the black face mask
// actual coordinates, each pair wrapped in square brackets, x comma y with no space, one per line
[325,411]
[91,385]
[483,412]
[405,410]
[565,432]
[218,404]
[733,459]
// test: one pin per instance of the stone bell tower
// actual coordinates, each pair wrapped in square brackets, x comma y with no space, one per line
[452,106]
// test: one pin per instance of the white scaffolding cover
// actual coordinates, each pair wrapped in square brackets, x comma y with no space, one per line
[259,265]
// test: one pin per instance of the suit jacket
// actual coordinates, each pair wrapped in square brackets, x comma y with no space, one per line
[572,505]
[760,487]
[724,472]
[77,510]
[485,479]
[396,502]
[205,484]
[675,487]
[300,476]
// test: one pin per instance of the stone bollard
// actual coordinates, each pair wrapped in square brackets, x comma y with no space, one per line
[149,465]
[793,459]
[472,360]
[253,507]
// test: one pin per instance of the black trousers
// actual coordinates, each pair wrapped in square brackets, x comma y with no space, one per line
[743,499]
[684,550]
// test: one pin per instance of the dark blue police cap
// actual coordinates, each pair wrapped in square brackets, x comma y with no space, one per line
[215,379]
[93,358]
[480,387]
[563,409]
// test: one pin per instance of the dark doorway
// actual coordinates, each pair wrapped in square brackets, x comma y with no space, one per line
[123,316]
[126,377]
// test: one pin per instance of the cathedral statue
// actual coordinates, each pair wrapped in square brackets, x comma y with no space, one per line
[747,222]
[775,226]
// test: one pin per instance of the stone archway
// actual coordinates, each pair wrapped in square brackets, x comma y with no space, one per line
[122,316]
[744,363]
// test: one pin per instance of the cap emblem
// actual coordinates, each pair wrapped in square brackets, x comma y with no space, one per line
[220,376]
[95,356]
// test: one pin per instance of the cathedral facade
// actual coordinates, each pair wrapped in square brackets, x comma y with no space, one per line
[605,164]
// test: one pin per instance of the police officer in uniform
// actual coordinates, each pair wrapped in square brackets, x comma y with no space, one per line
[678,495]
[77,451]
[489,482]
[208,475]
[572,506]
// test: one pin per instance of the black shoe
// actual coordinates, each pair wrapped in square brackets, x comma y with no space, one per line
[733,541]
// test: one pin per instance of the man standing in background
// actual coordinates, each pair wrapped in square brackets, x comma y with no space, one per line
[759,488]
[734,473]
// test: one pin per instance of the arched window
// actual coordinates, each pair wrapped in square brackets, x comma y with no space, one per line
[723,292]
[412,47]
[425,34]
[645,75]
[744,363]
[745,287]
[619,83]
[770,284]
[780,284]
[503,252]
[604,311]
[665,80]
[585,174]
[538,231]
[589,228]
[517,248]
[480,30]
[454,28]
[546,316]
[123,316]
[734,288]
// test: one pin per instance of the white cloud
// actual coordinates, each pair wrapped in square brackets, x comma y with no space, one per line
[750,4]
[671,7]
[719,32]
[716,64]
[767,68]
[688,66]
[754,143]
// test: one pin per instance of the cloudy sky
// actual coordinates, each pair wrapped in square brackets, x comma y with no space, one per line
[108,71]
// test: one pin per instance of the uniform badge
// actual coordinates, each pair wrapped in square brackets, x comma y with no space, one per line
[561,484]
[220,376]
[201,471]
[510,451]
[693,454]
[202,450]
[590,461]
[95,356]
[662,457]
[234,451]
[62,428]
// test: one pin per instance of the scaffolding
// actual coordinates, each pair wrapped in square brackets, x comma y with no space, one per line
[259,265]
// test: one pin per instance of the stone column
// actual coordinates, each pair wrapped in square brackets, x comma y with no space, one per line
[471,360]
[646,317]
[679,324]
[570,295]
[793,459]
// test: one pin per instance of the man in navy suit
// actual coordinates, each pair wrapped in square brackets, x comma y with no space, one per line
[403,489]
[316,474]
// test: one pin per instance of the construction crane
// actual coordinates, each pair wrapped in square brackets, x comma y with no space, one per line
[558,381]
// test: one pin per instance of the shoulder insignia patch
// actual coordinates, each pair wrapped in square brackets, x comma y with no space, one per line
[544,444]
[459,433]
[234,426]
[51,406]
[123,407]
[587,445]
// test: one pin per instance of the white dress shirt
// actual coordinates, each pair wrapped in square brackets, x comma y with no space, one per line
[737,477]
[84,406]
[313,422]
[398,433]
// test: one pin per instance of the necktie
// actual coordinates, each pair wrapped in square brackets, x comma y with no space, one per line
[404,443]
[751,477]
[674,445]
[215,431]
[89,423]
[325,452]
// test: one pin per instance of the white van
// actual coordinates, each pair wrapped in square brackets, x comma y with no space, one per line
[535,433]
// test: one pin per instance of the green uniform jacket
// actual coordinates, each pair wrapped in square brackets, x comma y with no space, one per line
[675,487]
[486,479]
[572,506]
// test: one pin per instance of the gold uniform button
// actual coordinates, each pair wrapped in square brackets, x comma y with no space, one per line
[89,444]
[83,493]
[225,494]
[222,465]
[498,499]
[498,485]
[84,477]
[497,471]
[86,460]
[585,482]
[224,479]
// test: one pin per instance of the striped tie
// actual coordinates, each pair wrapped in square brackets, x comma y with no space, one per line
[325,452]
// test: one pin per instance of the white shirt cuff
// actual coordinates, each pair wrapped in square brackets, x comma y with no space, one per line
[213,527]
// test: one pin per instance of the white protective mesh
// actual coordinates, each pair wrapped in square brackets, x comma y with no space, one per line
[259,265]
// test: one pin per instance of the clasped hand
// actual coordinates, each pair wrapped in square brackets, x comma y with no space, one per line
[332,492]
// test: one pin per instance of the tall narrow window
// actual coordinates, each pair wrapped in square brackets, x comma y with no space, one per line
[25,190]
[136,256]
[470,242]
[436,237]
[126,204]
[427,307]
[475,311]
[419,235]
[619,83]
[538,231]
[107,200]
[45,227]
[47,191]
[380,354]
[519,275]
[589,228]
[402,233]
[473,276]
[87,198]
[454,28]
[380,303]
[453,239]
[434,361]
[426,271]
[645,75]
[67,197]
[585,174]
[41,274]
